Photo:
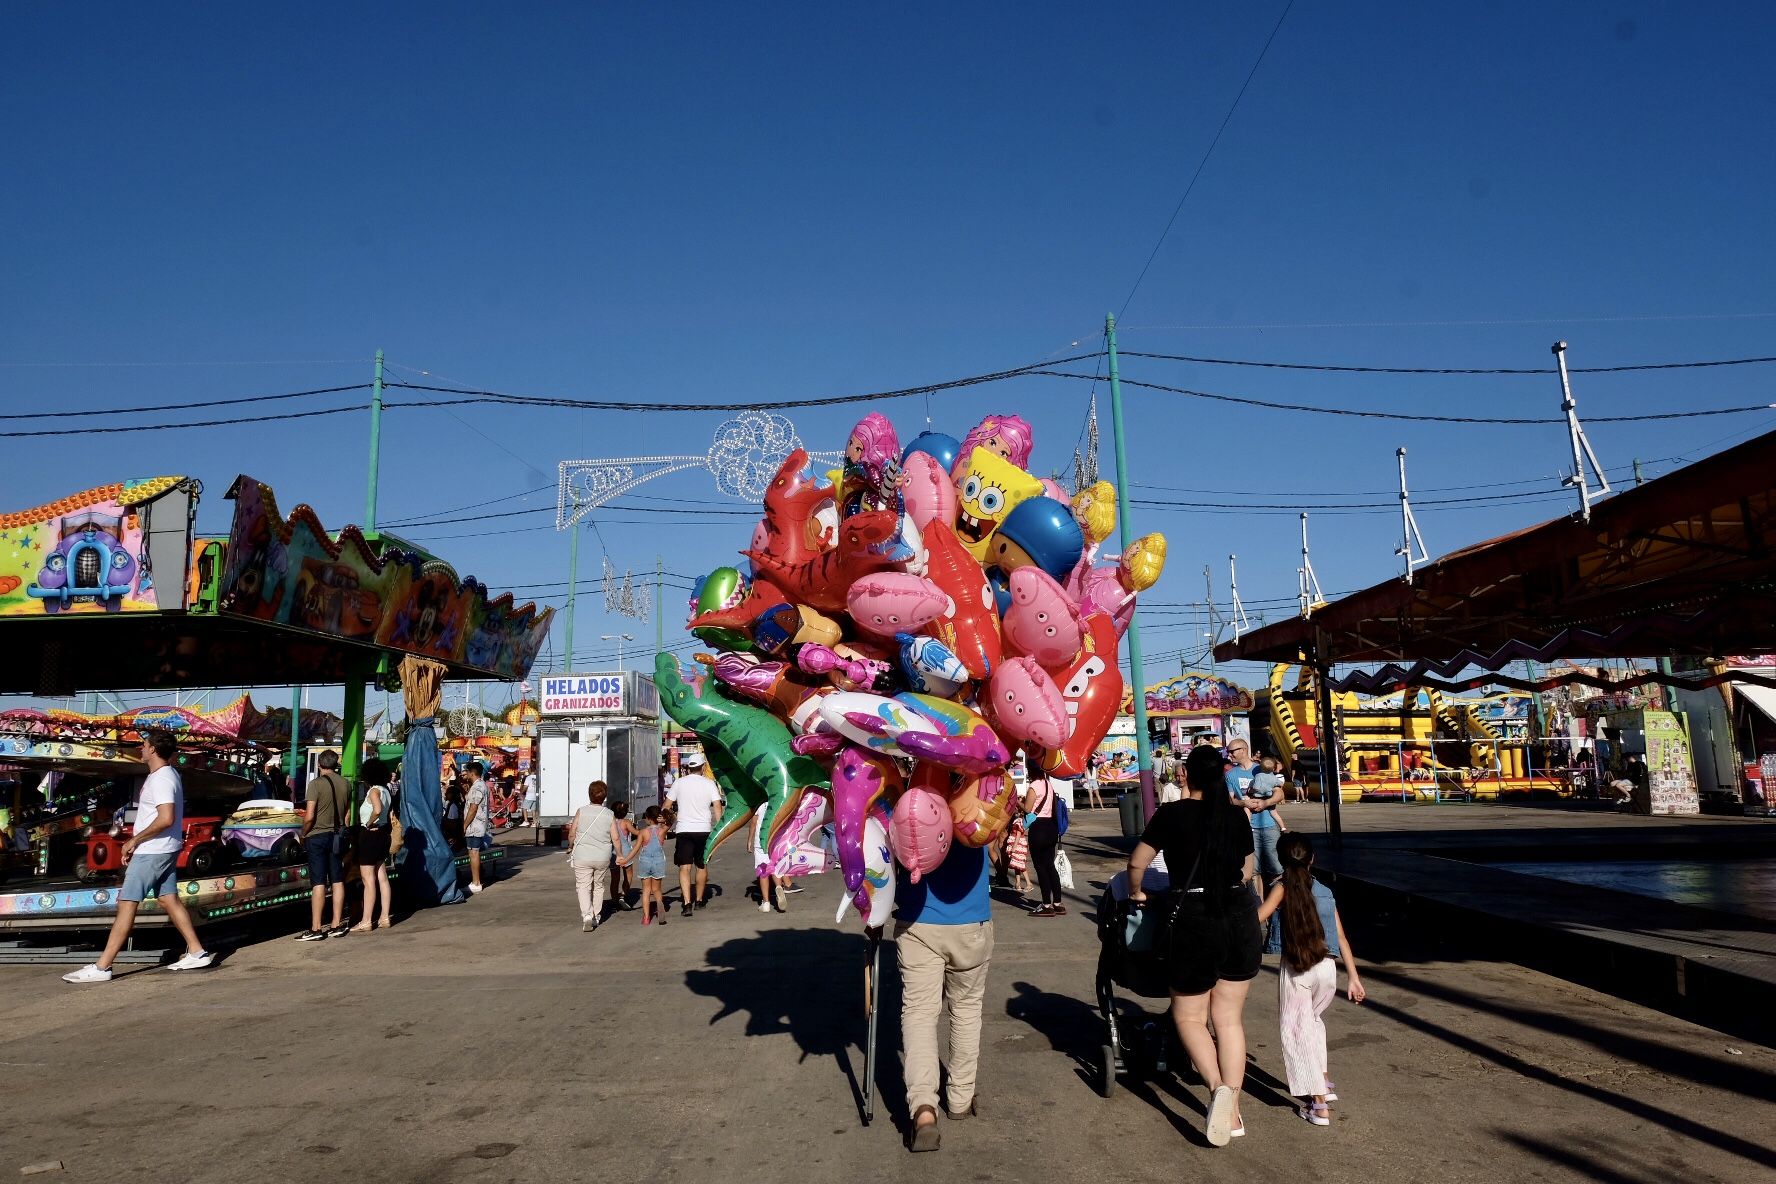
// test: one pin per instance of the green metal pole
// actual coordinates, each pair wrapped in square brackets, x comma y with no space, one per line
[351,756]
[573,584]
[375,448]
[1137,672]
[295,733]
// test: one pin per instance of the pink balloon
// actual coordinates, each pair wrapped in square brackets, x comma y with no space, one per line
[891,602]
[1101,591]
[1026,704]
[929,494]
[920,831]
[1042,622]
[1052,488]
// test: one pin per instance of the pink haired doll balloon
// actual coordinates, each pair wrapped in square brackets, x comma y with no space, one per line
[872,467]
[1009,436]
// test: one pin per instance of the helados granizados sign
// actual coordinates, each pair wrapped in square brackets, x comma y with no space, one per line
[584,694]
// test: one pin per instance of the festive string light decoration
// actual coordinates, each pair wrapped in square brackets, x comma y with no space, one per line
[743,457]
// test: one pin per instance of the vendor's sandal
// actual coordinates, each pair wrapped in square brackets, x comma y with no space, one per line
[971,1111]
[924,1137]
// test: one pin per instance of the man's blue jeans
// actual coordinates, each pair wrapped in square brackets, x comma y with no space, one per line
[1264,846]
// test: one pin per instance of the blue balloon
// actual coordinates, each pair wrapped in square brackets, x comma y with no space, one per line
[941,448]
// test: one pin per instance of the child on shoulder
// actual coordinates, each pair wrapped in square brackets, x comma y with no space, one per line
[1267,783]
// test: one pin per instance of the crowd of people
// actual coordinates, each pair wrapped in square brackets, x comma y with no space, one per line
[1238,883]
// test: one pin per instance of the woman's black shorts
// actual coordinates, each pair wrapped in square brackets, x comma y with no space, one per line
[373,845]
[1211,945]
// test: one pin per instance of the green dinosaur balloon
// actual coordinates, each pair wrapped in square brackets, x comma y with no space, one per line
[755,744]
[722,588]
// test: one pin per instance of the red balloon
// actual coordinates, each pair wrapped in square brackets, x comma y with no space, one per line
[971,628]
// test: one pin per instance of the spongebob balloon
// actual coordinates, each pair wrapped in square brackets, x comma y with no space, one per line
[989,488]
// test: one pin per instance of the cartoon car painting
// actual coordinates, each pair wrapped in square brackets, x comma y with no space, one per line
[90,561]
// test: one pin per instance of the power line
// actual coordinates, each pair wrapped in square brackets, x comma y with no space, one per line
[167,427]
[750,405]
[1497,370]
[235,402]
[1357,413]
[1457,324]
[1208,152]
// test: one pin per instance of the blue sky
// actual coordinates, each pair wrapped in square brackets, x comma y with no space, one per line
[703,202]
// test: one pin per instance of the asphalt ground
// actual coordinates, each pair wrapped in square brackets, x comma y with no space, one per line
[494,1041]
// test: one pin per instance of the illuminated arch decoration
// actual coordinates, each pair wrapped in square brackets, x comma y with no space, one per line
[743,457]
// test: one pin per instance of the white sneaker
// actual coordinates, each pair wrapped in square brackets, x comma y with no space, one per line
[1219,1128]
[201,961]
[90,973]
[764,907]
[474,888]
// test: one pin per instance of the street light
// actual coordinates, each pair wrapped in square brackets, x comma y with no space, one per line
[619,638]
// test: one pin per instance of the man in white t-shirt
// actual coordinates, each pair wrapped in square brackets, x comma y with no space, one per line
[530,799]
[699,803]
[477,831]
[150,859]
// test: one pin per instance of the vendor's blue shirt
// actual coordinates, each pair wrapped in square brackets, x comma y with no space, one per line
[1238,782]
[956,893]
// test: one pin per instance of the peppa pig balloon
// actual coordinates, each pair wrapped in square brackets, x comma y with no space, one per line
[920,830]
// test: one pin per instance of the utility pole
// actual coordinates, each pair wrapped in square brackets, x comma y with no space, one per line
[1581,447]
[1137,673]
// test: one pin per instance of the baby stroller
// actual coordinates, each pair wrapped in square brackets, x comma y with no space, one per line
[1130,956]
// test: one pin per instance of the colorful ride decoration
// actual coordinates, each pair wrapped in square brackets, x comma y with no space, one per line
[87,553]
[241,720]
[907,624]
[291,572]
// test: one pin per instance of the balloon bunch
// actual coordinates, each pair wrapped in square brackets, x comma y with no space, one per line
[903,625]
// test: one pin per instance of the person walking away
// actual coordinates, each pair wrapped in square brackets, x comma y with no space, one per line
[649,859]
[1017,855]
[325,812]
[1092,796]
[1309,937]
[943,941]
[622,874]
[698,801]
[593,837]
[530,799]
[1262,812]
[1044,837]
[1214,944]
[150,864]
[375,830]
[1019,773]
[477,828]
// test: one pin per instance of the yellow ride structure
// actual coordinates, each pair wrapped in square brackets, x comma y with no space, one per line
[1414,745]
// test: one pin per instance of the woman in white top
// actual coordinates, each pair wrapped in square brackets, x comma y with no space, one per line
[593,837]
[375,829]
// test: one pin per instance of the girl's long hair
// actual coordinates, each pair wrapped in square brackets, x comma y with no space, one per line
[1204,774]
[1304,938]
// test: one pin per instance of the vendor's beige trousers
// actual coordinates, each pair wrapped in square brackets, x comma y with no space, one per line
[592,883]
[939,963]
